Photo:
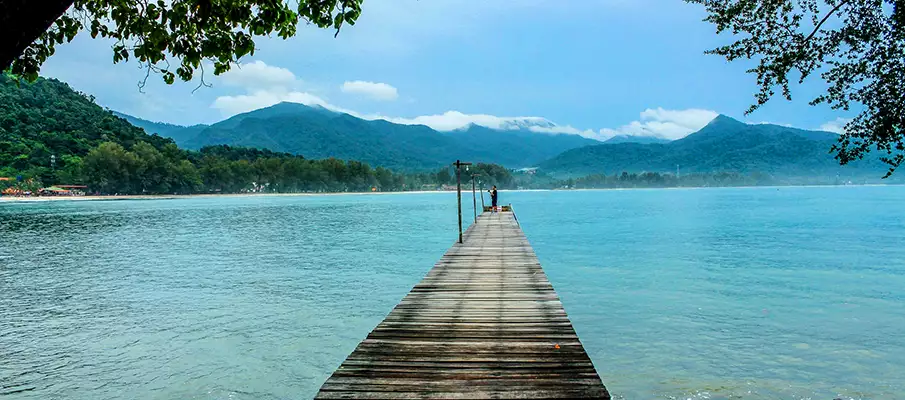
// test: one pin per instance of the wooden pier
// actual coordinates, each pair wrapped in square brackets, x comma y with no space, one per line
[484,323]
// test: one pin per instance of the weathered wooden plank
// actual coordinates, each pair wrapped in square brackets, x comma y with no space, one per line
[423,324]
[413,385]
[472,364]
[459,370]
[467,393]
[483,323]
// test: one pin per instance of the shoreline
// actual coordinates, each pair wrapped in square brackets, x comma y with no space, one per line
[40,199]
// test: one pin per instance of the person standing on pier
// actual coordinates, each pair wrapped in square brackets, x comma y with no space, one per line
[493,198]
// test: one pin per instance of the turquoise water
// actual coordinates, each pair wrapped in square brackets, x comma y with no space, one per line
[790,293]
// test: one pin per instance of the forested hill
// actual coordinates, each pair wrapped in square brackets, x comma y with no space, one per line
[725,144]
[316,132]
[52,135]
[45,118]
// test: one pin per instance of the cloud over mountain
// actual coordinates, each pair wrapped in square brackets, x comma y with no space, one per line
[258,75]
[267,85]
[374,90]
[836,126]
[666,124]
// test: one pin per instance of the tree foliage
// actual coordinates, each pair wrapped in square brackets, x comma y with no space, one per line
[48,119]
[856,46]
[176,37]
[50,134]
[665,180]
[492,174]
[110,168]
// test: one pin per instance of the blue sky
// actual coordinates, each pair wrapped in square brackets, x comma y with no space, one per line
[596,68]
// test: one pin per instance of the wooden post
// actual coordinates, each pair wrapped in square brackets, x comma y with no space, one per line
[459,196]
[482,196]
[459,165]
[474,198]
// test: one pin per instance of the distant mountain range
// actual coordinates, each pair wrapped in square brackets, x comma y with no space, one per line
[47,118]
[725,144]
[180,134]
[316,132]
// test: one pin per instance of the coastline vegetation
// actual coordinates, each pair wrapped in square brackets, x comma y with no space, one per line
[53,135]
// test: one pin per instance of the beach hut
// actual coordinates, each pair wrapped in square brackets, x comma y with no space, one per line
[11,191]
[74,190]
[54,191]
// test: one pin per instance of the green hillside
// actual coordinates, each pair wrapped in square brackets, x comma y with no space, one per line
[91,146]
[47,118]
[635,139]
[724,145]
[319,133]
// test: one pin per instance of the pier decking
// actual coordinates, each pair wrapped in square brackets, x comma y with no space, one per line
[484,323]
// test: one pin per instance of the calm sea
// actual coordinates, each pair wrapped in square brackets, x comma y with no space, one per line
[788,293]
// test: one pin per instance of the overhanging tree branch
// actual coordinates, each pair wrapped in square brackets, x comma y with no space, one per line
[861,62]
[823,21]
[191,31]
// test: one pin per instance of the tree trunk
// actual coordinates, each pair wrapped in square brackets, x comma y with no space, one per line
[23,21]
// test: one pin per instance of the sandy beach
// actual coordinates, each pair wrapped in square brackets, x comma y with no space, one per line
[13,199]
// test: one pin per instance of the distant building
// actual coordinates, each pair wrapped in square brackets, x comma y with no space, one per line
[74,190]
[11,191]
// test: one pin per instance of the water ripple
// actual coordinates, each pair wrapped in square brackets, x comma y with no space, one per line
[676,294]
